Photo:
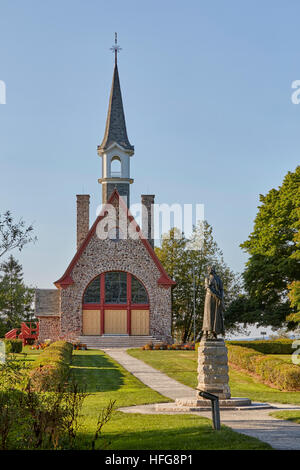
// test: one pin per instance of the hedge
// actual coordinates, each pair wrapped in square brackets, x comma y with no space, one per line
[270,370]
[13,345]
[51,368]
[278,346]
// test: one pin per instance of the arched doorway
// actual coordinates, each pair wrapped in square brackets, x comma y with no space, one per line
[115,303]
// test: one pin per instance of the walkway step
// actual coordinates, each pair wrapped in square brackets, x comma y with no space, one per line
[114,341]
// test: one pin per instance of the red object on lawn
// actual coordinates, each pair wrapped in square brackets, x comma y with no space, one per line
[12,334]
[29,331]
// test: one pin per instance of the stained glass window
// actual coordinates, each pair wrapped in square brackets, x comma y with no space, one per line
[116,288]
[138,292]
[92,293]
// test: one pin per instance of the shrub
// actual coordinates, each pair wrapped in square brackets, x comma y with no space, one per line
[31,419]
[270,370]
[279,346]
[51,368]
[13,345]
[11,414]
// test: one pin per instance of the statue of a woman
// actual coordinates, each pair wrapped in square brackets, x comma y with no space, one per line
[213,321]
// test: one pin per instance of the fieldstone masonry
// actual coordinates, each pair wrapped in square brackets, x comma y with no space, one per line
[49,328]
[147,201]
[213,368]
[83,217]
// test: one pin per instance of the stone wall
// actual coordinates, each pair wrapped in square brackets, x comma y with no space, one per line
[147,201]
[49,328]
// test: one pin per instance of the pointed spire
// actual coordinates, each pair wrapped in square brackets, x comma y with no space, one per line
[115,130]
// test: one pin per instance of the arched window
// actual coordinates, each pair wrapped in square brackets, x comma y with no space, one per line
[115,167]
[115,290]
[138,292]
[92,292]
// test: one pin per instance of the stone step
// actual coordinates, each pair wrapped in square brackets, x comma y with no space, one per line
[115,341]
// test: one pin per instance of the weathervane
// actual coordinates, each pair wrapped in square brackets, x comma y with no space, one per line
[115,48]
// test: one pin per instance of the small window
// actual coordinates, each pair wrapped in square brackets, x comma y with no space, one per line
[115,167]
[92,293]
[138,292]
[116,288]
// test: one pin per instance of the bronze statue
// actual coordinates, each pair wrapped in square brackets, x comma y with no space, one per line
[213,321]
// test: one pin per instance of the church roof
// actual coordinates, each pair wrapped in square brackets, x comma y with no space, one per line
[115,130]
[67,280]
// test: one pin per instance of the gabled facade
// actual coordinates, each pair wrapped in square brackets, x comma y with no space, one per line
[115,284]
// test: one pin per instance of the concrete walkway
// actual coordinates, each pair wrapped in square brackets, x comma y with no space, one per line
[153,378]
[280,434]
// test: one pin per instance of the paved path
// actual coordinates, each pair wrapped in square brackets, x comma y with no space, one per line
[279,434]
[153,378]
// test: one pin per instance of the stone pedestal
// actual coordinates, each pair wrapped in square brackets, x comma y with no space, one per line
[213,368]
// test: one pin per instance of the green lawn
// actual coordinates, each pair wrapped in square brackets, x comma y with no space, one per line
[27,355]
[106,379]
[182,366]
[289,415]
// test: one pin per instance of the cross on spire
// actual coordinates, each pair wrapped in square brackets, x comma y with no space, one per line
[116,48]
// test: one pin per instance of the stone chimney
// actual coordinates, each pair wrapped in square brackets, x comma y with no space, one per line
[83,217]
[147,217]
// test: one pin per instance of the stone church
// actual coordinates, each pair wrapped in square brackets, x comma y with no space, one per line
[115,291]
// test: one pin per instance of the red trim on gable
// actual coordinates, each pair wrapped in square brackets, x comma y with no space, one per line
[66,280]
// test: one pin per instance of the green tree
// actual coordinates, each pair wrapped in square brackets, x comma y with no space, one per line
[185,261]
[273,263]
[294,287]
[294,296]
[13,234]
[15,298]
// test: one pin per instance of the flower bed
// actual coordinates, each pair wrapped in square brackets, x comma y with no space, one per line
[38,345]
[170,347]
[80,346]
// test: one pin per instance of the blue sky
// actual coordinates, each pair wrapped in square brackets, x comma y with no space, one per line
[207,94]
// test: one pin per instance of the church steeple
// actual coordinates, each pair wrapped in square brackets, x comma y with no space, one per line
[115,146]
[115,130]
